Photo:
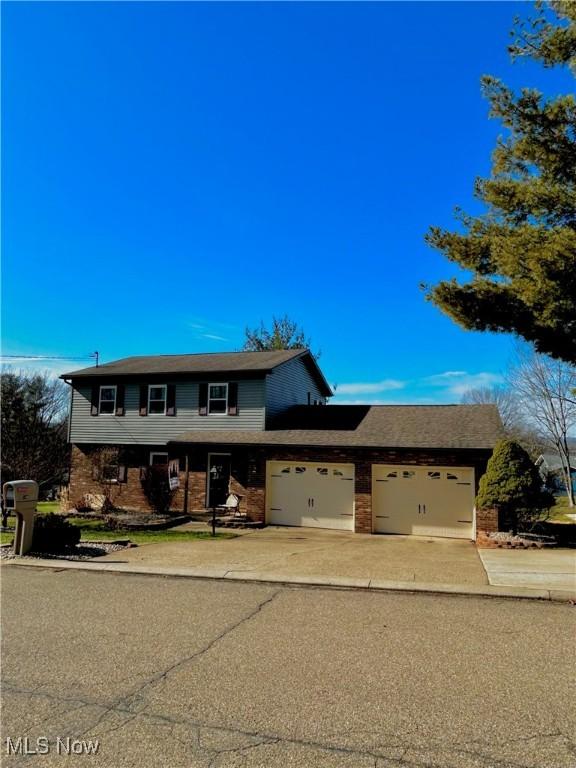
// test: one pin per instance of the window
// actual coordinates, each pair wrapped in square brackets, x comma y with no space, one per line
[158,458]
[451,476]
[433,475]
[392,474]
[322,471]
[106,466]
[408,474]
[217,399]
[157,399]
[300,470]
[107,401]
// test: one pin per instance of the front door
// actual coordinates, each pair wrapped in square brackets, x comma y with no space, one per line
[218,486]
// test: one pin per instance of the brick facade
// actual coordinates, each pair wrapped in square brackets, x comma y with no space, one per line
[248,475]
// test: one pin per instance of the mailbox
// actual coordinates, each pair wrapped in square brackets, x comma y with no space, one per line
[21,497]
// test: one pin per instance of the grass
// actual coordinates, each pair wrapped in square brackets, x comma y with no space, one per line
[558,513]
[48,506]
[94,530]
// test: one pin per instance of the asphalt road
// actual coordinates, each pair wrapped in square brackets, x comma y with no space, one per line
[167,673]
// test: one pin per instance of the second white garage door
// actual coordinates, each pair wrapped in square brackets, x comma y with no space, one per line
[425,501]
[311,495]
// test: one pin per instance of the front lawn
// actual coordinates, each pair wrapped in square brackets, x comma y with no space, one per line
[94,530]
[558,513]
[48,506]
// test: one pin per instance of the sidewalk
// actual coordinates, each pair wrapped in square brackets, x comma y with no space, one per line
[305,557]
[548,568]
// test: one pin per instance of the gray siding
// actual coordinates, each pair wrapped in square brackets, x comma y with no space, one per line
[289,384]
[133,429]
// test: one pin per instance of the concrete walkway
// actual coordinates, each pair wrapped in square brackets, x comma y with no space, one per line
[539,568]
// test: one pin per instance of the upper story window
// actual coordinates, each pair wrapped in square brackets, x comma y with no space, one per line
[107,400]
[157,399]
[217,399]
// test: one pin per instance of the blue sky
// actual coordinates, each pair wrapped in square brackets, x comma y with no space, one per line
[174,172]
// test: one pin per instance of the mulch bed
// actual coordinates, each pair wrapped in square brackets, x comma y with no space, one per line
[85,551]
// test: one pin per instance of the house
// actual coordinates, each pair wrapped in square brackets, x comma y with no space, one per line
[550,468]
[257,424]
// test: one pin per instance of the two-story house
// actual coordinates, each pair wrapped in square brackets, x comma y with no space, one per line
[257,424]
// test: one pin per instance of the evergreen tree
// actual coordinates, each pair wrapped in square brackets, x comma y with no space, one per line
[513,486]
[522,251]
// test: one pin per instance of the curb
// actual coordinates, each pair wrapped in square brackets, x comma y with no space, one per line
[372,585]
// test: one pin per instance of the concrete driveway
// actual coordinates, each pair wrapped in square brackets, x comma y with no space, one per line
[541,568]
[321,553]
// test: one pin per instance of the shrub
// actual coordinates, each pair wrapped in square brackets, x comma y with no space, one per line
[513,486]
[53,533]
[156,487]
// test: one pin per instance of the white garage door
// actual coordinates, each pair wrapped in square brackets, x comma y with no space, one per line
[425,501]
[311,495]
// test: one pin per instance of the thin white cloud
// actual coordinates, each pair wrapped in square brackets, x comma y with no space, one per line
[456,383]
[368,387]
[213,336]
[52,368]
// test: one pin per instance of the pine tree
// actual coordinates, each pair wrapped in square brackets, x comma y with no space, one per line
[513,486]
[522,251]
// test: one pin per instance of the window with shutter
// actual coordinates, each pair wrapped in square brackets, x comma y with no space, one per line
[217,399]
[157,399]
[107,401]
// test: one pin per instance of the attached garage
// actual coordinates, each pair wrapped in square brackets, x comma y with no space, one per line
[423,500]
[310,494]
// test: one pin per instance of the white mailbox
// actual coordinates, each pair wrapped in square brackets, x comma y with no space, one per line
[21,498]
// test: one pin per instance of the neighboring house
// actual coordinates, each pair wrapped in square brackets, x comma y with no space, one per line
[257,424]
[550,467]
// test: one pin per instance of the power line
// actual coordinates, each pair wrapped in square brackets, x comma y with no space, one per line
[44,357]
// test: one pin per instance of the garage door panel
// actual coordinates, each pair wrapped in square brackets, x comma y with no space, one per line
[311,495]
[423,501]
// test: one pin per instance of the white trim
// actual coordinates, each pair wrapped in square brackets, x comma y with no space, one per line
[107,386]
[208,474]
[157,453]
[156,400]
[225,413]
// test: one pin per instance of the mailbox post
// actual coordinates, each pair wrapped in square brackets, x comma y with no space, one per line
[21,497]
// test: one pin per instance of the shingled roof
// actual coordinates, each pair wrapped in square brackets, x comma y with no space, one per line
[376,426]
[204,363]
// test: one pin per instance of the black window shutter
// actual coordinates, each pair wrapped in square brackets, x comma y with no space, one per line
[120,389]
[203,399]
[143,399]
[171,400]
[233,398]
[95,401]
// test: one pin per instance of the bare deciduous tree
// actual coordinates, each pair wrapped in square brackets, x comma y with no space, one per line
[513,419]
[34,439]
[543,387]
[284,334]
[501,397]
